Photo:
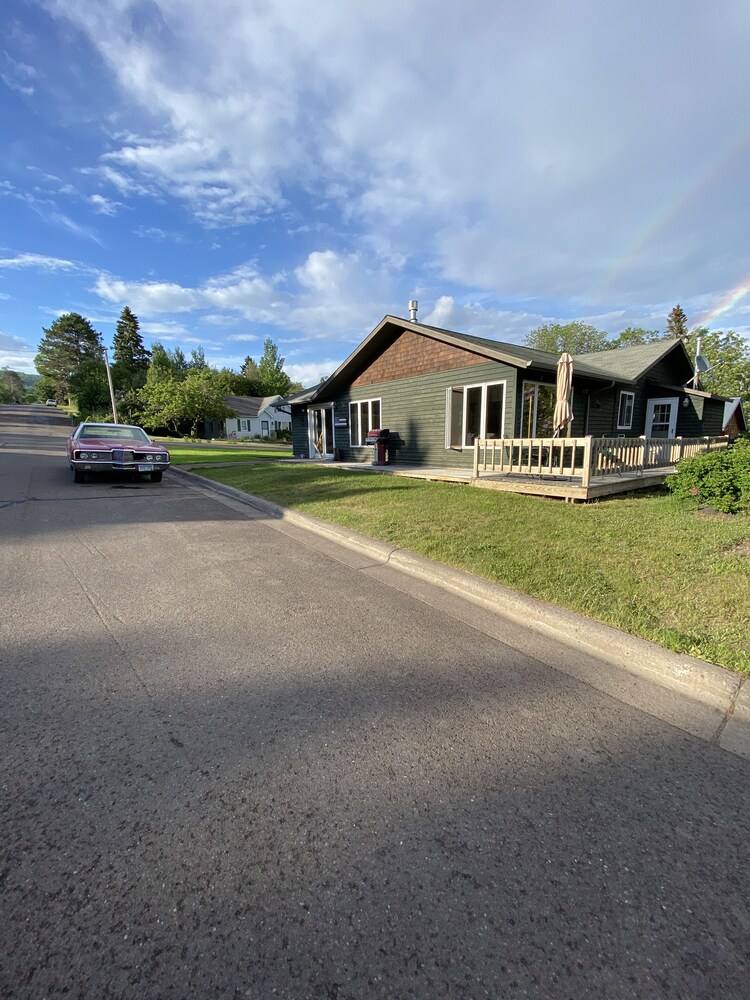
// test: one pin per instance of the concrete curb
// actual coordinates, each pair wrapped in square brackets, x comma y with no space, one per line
[707,684]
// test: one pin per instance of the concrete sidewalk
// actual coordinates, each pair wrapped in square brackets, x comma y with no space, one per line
[698,697]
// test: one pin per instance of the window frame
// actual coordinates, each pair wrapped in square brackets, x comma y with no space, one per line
[463,389]
[363,426]
[626,396]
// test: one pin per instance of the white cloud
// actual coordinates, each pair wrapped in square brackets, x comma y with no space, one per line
[15,353]
[150,296]
[38,262]
[506,147]
[104,206]
[310,373]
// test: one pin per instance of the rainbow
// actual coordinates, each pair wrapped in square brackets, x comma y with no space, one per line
[727,301]
[700,180]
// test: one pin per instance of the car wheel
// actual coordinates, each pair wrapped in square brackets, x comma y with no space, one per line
[156,476]
[79,476]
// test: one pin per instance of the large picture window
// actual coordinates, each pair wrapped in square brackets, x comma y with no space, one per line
[474,411]
[364,415]
[625,411]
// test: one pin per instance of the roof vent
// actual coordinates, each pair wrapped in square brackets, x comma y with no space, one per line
[413,306]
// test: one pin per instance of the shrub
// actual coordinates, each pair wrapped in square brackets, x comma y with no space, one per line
[720,479]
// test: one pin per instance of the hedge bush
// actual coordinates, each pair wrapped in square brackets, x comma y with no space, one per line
[720,479]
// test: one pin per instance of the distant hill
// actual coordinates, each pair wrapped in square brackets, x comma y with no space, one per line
[29,380]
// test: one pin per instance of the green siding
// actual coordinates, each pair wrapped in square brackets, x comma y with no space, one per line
[414,410]
[690,417]
[713,417]
[300,440]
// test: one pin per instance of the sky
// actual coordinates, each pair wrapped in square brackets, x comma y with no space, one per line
[244,169]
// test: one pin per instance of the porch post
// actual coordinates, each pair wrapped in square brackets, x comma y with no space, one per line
[476,458]
[587,455]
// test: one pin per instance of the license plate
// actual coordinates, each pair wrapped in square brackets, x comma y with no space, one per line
[145,467]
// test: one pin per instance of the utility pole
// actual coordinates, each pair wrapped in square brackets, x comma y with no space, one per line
[111,389]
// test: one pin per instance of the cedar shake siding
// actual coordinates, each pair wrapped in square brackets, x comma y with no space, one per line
[413,355]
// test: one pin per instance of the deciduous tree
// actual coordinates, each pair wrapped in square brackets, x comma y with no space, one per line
[575,338]
[12,389]
[632,336]
[728,356]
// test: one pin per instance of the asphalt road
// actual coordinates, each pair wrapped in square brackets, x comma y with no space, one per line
[234,765]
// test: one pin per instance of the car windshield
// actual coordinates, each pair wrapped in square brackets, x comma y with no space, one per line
[114,433]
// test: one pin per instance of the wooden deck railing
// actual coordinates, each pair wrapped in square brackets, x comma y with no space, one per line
[586,457]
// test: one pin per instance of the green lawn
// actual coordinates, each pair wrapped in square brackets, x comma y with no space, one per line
[641,564]
[186,453]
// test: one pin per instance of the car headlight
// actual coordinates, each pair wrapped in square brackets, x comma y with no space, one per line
[158,458]
[84,454]
[94,454]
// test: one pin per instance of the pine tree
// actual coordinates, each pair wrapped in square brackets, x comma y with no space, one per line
[68,344]
[131,359]
[677,323]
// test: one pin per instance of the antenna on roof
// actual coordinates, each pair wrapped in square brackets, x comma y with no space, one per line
[413,306]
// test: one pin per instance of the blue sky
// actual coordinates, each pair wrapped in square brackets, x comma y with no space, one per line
[241,169]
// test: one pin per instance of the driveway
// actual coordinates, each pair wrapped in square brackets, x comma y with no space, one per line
[236,765]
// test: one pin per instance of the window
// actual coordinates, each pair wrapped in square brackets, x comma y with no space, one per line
[474,411]
[364,415]
[538,410]
[625,411]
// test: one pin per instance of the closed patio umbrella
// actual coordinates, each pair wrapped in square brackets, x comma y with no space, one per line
[563,412]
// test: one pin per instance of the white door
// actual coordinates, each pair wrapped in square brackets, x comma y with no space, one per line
[320,431]
[661,417]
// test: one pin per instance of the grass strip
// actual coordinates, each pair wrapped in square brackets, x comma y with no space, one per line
[640,563]
[186,454]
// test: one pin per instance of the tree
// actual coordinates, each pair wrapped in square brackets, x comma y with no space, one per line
[182,403]
[575,338]
[131,359]
[68,343]
[272,379]
[11,384]
[728,355]
[89,387]
[236,385]
[677,323]
[249,370]
[197,360]
[166,364]
[633,335]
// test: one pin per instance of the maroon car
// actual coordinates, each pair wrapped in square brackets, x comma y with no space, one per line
[115,448]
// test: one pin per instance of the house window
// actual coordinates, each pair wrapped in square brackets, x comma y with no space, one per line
[474,411]
[364,415]
[538,410]
[625,411]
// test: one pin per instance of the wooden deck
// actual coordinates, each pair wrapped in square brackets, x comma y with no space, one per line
[572,469]
[567,488]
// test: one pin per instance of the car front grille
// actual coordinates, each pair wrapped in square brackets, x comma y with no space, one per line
[122,457]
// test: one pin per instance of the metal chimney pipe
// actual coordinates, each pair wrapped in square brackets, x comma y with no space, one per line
[696,371]
[413,306]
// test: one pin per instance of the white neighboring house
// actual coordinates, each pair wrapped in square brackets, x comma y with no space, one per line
[256,416]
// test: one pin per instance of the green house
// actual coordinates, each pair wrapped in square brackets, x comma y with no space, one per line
[437,391]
